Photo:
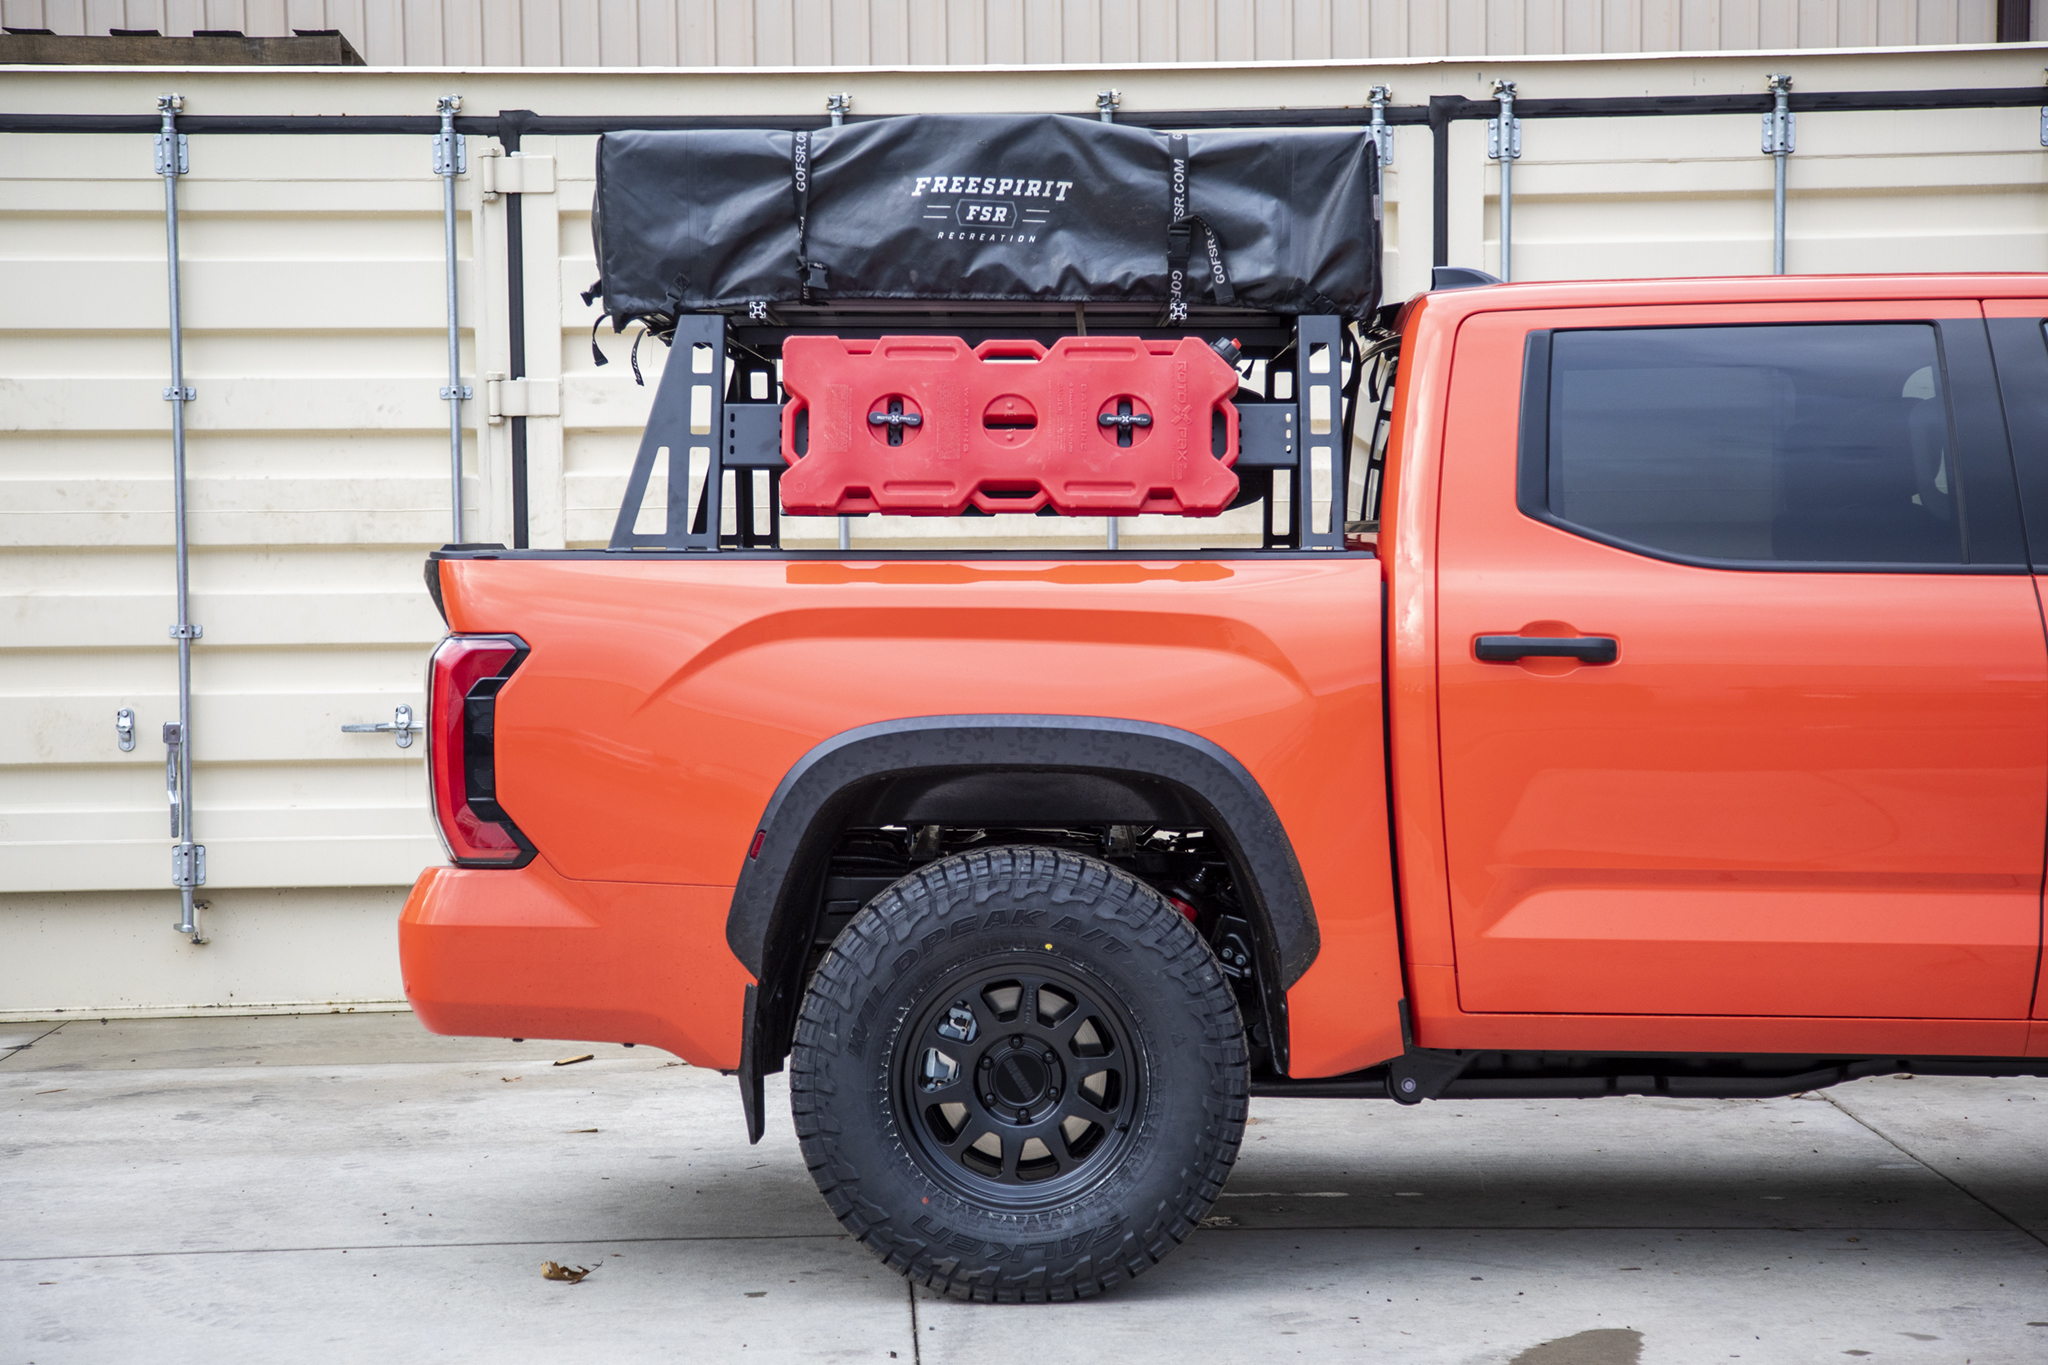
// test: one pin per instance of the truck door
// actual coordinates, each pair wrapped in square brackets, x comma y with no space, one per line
[1744,692]
[2019,346]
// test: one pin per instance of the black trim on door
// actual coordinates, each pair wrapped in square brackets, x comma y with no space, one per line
[2019,350]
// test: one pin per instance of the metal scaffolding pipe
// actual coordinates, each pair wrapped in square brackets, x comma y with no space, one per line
[1505,139]
[1106,104]
[451,159]
[836,108]
[1778,131]
[188,859]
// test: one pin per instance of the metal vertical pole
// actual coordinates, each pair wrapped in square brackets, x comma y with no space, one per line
[1504,144]
[1106,102]
[1779,128]
[451,158]
[836,107]
[188,859]
[1380,96]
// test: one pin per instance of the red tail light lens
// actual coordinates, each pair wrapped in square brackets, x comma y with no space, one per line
[462,759]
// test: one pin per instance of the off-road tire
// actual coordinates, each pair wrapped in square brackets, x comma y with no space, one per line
[1154,986]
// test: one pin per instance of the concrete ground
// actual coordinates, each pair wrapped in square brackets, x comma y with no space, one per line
[339,1188]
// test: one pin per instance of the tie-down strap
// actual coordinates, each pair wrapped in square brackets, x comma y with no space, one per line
[1180,235]
[810,274]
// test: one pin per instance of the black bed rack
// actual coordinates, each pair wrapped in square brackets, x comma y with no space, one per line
[719,433]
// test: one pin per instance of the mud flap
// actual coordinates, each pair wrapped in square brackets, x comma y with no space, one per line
[752,1095]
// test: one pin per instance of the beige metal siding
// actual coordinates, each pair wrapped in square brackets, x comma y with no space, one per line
[318,449]
[592,33]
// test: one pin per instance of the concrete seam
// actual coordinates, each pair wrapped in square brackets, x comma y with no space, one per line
[14,1052]
[1967,1192]
[916,1346]
[417,1246]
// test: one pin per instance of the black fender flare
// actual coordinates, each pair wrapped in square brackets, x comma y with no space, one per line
[768,927]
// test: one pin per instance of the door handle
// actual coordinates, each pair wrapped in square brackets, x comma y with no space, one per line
[1506,649]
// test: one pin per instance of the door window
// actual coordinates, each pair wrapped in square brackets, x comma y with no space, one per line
[1824,444]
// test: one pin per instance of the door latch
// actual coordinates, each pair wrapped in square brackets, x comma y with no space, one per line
[124,729]
[399,727]
[174,740]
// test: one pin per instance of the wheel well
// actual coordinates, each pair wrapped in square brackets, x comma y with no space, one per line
[865,808]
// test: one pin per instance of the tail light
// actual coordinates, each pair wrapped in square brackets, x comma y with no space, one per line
[462,758]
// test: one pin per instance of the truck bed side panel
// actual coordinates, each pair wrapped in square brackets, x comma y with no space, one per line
[664,700]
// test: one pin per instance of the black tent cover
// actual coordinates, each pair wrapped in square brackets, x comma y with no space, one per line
[1042,208]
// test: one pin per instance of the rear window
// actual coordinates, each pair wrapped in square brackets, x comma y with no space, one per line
[1794,444]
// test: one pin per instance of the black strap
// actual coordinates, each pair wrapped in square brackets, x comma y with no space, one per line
[595,354]
[810,274]
[596,288]
[1180,234]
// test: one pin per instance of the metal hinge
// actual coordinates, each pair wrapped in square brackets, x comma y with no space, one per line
[188,865]
[1382,135]
[164,144]
[400,727]
[124,729]
[1780,136]
[1771,147]
[498,174]
[521,398]
[451,149]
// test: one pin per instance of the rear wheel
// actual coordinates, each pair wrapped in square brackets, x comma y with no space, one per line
[1019,1075]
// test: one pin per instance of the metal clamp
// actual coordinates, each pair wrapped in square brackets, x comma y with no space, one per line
[173,149]
[187,394]
[1382,136]
[1510,147]
[451,149]
[188,868]
[124,729]
[400,727]
[463,394]
[1107,102]
[1781,126]
[188,632]
[838,106]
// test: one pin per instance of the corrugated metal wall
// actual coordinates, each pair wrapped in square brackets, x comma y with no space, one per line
[318,449]
[588,33]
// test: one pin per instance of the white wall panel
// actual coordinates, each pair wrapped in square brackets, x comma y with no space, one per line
[626,33]
[318,450]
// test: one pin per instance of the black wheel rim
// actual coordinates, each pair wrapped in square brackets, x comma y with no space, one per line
[1018,1083]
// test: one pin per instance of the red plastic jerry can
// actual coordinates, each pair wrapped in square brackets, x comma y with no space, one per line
[924,426]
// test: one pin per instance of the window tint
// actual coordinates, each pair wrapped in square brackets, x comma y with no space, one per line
[1798,444]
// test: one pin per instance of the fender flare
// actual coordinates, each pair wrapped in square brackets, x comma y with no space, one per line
[778,883]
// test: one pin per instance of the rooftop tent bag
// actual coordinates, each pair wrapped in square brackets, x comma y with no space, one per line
[1039,208]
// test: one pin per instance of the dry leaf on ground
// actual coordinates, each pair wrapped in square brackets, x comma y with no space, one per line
[555,1270]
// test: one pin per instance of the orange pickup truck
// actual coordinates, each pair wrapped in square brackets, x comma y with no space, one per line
[1656,705]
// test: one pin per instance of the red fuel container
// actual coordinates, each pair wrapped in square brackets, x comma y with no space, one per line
[924,426]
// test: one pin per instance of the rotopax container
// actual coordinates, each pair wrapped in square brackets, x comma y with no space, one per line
[1096,426]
